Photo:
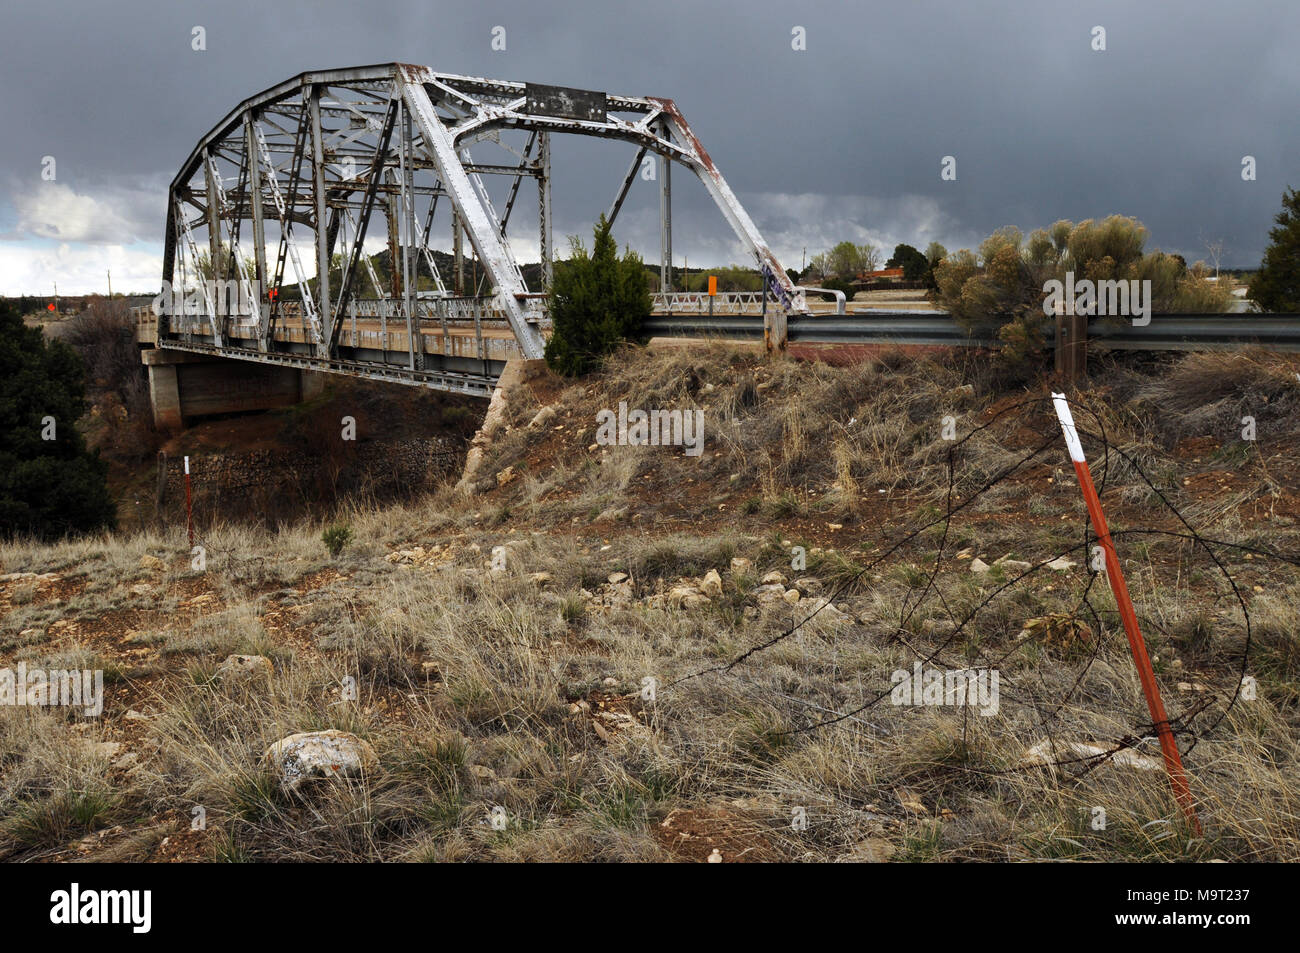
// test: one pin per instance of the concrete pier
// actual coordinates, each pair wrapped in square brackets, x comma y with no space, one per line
[184,385]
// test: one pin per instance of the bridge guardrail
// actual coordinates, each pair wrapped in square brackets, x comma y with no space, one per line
[1165,332]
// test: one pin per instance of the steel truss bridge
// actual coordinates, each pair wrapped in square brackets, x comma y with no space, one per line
[304,173]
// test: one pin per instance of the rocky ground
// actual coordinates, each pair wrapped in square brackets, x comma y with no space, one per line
[594,652]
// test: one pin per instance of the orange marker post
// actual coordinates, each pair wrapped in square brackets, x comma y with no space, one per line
[713,291]
[1173,761]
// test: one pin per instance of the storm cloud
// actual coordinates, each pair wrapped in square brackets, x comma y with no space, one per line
[843,140]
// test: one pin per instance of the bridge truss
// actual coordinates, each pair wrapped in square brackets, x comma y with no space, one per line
[304,173]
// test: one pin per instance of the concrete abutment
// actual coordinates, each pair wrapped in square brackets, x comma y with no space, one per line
[183,385]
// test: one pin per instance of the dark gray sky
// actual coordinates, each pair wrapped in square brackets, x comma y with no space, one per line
[841,141]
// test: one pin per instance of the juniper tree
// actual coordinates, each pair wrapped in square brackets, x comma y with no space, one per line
[50,484]
[597,301]
[1276,286]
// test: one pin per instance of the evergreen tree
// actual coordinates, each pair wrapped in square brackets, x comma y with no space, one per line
[598,300]
[914,264]
[1276,286]
[50,484]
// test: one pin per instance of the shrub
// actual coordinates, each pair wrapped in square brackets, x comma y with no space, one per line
[335,538]
[1276,286]
[50,484]
[598,300]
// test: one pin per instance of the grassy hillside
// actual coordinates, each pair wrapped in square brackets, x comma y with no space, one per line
[606,653]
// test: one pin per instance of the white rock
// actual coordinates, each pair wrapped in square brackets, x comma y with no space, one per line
[1048,753]
[1013,565]
[1061,564]
[979,566]
[543,417]
[320,754]
[821,610]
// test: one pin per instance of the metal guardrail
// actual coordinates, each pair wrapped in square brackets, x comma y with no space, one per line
[1165,332]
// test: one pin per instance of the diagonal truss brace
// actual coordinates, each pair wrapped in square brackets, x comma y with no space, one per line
[482,226]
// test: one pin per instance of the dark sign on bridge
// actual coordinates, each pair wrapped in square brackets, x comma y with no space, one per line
[565,103]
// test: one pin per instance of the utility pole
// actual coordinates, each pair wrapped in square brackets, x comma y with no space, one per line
[56,297]
[110,284]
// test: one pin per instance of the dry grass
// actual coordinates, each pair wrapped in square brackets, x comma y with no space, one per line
[484,690]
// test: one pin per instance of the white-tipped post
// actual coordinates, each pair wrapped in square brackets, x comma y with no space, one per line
[1067,425]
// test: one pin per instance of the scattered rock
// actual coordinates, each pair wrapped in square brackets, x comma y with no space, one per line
[711,584]
[821,610]
[104,749]
[979,566]
[716,856]
[142,589]
[686,597]
[910,802]
[615,578]
[741,566]
[791,596]
[1013,565]
[133,715]
[543,417]
[237,669]
[809,585]
[872,850]
[127,762]
[773,579]
[1061,564]
[506,476]
[320,754]
[937,626]
[152,563]
[540,578]
[1047,753]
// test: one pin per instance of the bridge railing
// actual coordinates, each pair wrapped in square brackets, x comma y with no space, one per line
[698,302]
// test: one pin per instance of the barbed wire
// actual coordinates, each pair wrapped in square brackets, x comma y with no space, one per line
[1112,457]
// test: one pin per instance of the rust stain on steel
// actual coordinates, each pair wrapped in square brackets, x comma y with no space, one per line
[670,107]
